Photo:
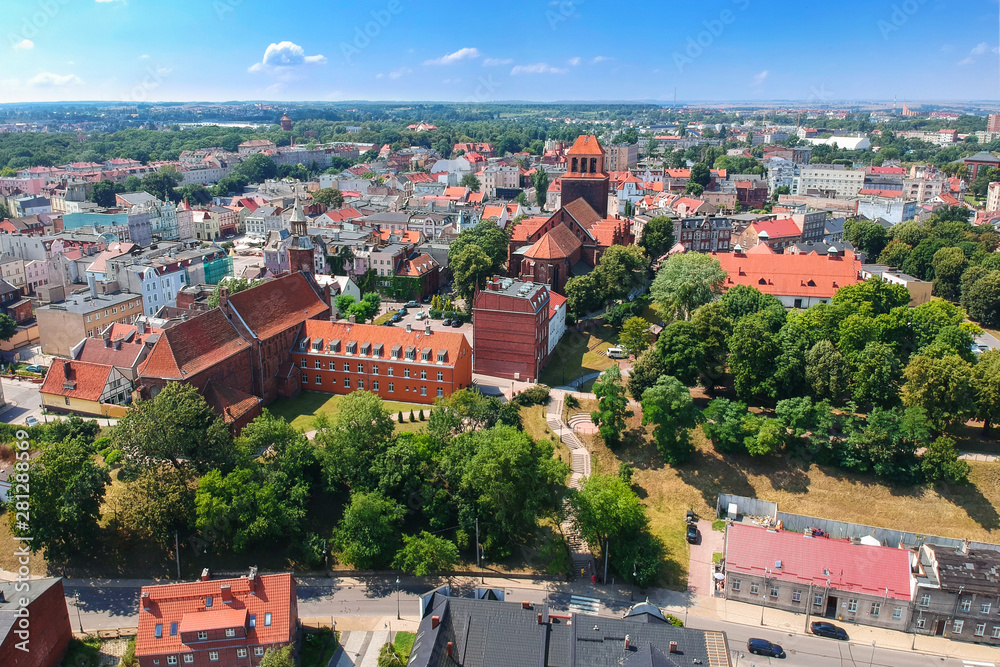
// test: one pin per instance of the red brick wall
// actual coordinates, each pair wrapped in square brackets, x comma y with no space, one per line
[232,372]
[50,632]
[506,342]
[595,191]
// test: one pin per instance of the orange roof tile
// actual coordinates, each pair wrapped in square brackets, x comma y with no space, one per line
[558,243]
[791,275]
[586,144]
[453,343]
[192,346]
[526,228]
[76,379]
[418,266]
[276,305]
[229,402]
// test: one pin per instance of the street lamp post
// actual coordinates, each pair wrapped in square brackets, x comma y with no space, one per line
[398,617]
[78,617]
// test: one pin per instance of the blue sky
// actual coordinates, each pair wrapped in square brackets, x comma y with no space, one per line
[152,50]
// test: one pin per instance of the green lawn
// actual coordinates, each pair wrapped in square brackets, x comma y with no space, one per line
[578,354]
[301,410]
[403,644]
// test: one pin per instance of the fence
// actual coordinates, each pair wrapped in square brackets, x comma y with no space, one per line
[841,529]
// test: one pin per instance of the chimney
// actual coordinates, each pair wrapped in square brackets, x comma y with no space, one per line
[227,593]
[965,546]
[427,330]
[451,649]
[628,642]
[140,327]
[539,616]
[145,601]
[92,283]
[435,621]
[107,339]
[118,344]
[409,328]
[224,297]
[673,647]
[205,576]
[525,605]
[253,580]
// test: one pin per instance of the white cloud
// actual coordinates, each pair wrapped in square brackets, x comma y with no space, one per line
[44,79]
[600,59]
[144,56]
[574,61]
[979,49]
[24,45]
[284,55]
[537,68]
[467,53]
[497,62]
[759,79]
[400,73]
[967,61]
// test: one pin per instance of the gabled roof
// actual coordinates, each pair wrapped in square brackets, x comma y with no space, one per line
[586,144]
[229,402]
[276,305]
[117,353]
[856,568]
[583,213]
[452,343]
[790,275]
[558,243]
[193,346]
[777,228]
[76,379]
[526,228]
[418,266]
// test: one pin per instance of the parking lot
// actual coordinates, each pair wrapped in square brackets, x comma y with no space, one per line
[420,325]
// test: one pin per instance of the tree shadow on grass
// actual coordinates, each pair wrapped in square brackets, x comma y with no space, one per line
[710,477]
[971,499]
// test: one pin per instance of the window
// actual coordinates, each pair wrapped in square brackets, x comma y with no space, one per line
[267,619]
[347,367]
[375,385]
[361,384]
[241,653]
[423,375]
[173,629]
[390,372]
[392,387]
[347,382]
[305,379]
[158,631]
[375,369]
[253,620]
[406,372]
[440,392]
[213,656]
[796,596]
[980,629]
[333,365]
[967,604]
[202,635]
[319,364]
[230,632]
[754,588]
[258,650]
[852,606]
[876,609]
[897,613]
[921,623]
[172,659]
[984,608]
[423,391]
[818,600]
[774,591]
[302,363]
[957,626]
[208,602]
[188,658]
[996,632]
[736,583]
[925,600]
[440,376]
[361,368]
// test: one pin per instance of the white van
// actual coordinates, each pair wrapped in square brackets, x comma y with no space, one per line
[616,353]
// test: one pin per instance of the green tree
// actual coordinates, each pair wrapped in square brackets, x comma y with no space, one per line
[161,184]
[725,425]
[159,502]
[895,254]
[986,379]
[982,298]
[920,262]
[606,508]
[103,194]
[949,264]
[646,370]
[826,371]
[233,286]
[67,488]
[331,197]
[668,406]
[176,427]
[713,327]
[8,327]
[886,445]
[635,336]
[471,269]
[368,533]
[540,181]
[256,168]
[867,236]
[765,436]
[701,174]
[583,294]
[278,657]
[470,181]
[657,237]
[872,297]
[693,188]
[685,282]
[942,387]
[681,352]
[426,554]
[875,380]
[752,351]
[358,435]
[489,237]
[940,463]
[621,270]
[612,406]
[343,303]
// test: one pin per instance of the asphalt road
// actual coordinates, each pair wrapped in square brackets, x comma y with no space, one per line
[106,607]
[23,400]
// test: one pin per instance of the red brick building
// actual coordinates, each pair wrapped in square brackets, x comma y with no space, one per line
[586,178]
[47,633]
[510,329]
[396,364]
[425,270]
[221,623]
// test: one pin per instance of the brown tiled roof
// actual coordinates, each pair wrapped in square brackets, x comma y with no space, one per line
[76,379]
[583,213]
[586,144]
[96,352]
[229,402]
[558,243]
[526,228]
[276,305]
[451,342]
[192,346]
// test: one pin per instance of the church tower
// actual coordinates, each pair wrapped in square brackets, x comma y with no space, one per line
[586,178]
[301,252]
[286,123]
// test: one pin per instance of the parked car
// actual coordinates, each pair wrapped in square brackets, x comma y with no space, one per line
[31,421]
[35,368]
[824,629]
[764,647]
[412,304]
[447,322]
[397,317]
[456,324]
[402,311]
[616,353]
[692,534]
[421,315]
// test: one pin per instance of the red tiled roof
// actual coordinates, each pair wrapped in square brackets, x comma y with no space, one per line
[604,231]
[342,214]
[418,266]
[880,192]
[555,302]
[791,275]
[76,379]
[895,171]
[475,197]
[583,213]
[558,243]
[229,402]
[492,212]
[855,568]
[96,352]
[184,604]
[526,228]
[192,346]
[452,343]
[456,192]
[777,228]
[586,144]
[272,307]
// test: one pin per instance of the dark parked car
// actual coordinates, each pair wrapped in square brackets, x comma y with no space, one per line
[764,647]
[447,322]
[456,323]
[692,534]
[397,317]
[824,629]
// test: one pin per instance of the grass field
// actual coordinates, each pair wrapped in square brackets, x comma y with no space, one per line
[301,410]
[533,419]
[578,354]
[403,644]
[797,486]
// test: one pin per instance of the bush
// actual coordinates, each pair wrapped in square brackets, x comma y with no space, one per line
[114,457]
[412,418]
[422,418]
[616,315]
[572,401]
[434,313]
[400,416]
[673,620]
[537,395]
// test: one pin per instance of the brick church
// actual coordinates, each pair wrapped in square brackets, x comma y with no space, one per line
[571,242]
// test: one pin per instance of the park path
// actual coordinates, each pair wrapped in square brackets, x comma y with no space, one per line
[582,558]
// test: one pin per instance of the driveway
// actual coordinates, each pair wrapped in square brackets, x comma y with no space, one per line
[700,567]
[23,400]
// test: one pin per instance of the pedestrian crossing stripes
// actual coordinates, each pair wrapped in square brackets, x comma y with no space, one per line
[583,605]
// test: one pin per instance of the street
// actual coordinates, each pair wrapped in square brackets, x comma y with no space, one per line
[108,605]
[23,401]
